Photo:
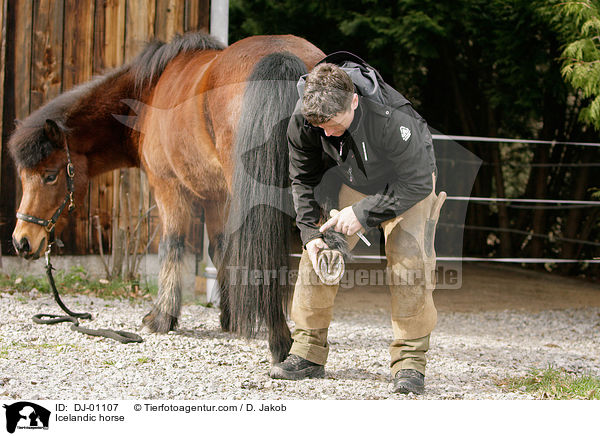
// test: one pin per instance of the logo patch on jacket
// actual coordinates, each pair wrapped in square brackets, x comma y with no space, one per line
[405,132]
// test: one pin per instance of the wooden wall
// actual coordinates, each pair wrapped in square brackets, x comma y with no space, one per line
[47,47]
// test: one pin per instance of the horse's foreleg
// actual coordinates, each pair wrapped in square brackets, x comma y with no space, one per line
[164,315]
[174,216]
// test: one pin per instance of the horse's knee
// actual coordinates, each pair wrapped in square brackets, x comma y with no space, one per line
[171,249]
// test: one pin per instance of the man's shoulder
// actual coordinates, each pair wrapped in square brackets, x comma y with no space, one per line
[394,98]
[385,115]
[375,108]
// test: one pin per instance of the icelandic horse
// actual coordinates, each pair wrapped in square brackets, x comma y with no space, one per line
[206,123]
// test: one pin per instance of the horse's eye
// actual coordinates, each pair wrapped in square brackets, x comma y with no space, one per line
[50,178]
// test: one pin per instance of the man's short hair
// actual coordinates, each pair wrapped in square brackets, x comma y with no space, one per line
[328,91]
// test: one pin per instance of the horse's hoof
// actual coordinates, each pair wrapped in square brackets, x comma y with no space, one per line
[159,322]
[330,266]
[279,357]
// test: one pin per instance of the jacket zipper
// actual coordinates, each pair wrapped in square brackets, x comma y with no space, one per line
[365,151]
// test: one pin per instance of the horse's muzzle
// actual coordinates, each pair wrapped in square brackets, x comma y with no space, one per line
[24,249]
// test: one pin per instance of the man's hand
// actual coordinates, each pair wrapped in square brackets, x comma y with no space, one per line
[313,247]
[344,221]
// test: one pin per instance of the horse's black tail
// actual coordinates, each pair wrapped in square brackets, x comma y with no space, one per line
[255,271]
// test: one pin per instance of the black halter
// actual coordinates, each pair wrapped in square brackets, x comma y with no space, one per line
[49,224]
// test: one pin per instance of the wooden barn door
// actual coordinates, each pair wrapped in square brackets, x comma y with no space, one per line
[49,46]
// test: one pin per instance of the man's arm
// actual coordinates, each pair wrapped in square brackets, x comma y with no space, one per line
[408,144]
[306,171]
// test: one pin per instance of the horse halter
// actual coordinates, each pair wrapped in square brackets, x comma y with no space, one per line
[49,224]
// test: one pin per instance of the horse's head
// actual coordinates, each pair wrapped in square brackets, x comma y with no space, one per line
[53,177]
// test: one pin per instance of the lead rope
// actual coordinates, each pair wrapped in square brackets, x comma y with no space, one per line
[74,317]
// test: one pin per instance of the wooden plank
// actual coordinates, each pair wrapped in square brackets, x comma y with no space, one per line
[197,15]
[20,37]
[47,44]
[139,23]
[109,52]
[6,209]
[78,62]
[109,34]
[3,5]
[101,197]
[22,77]
[78,42]
[169,19]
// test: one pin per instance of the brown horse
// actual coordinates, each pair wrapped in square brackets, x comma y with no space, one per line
[205,123]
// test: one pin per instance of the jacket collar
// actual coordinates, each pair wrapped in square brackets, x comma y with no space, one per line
[358,113]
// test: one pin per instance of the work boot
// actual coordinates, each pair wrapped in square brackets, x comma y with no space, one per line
[297,368]
[409,380]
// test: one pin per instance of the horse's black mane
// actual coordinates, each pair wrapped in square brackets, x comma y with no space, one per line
[152,61]
[28,145]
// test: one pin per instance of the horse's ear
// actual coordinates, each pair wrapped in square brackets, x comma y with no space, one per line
[53,132]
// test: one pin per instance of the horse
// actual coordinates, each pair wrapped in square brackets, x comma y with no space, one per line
[207,124]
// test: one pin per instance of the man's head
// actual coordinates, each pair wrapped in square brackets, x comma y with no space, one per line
[329,100]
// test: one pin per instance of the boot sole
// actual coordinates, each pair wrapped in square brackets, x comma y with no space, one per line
[312,372]
[407,388]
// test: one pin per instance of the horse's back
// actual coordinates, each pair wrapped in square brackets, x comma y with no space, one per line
[192,115]
[238,60]
[228,73]
[227,76]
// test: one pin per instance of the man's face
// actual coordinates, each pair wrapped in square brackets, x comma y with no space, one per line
[337,125]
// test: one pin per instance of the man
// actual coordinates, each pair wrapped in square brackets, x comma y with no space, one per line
[377,152]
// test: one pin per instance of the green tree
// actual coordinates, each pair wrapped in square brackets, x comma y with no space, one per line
[581,56]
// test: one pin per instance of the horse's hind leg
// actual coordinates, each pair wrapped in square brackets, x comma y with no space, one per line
[280,339]
[214,216]
[174,214]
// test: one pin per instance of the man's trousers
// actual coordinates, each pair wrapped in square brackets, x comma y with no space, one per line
[409,248]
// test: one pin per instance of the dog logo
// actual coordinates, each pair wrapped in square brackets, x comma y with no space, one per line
[25,415]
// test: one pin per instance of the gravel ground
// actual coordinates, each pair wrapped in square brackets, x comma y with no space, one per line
[470,353]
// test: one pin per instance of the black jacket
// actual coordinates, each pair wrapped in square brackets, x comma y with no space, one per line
[386,153]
